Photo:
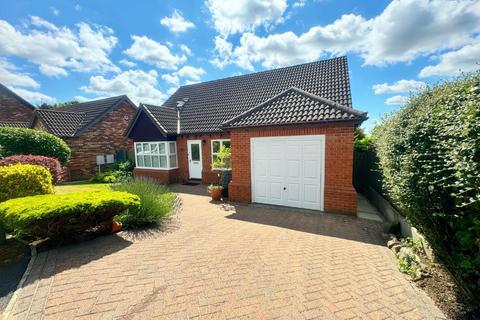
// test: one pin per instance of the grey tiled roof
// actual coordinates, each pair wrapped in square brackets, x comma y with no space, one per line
[212,103]
[14,124]
[61,123]
[295,106]
[71,120]
[6,91]
[166,118]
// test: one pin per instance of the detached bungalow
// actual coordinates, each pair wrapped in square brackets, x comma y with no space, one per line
[290,131]
[91,129]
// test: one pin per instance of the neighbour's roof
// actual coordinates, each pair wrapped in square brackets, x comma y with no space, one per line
[7,92]
[61,123]
[14,124]
[72,120]
[295,106]
[212,103]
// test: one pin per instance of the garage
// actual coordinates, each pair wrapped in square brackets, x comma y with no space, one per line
[288,171]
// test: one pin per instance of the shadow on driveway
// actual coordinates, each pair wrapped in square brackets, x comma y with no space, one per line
[332,225]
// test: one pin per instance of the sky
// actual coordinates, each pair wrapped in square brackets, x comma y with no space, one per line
[56,51]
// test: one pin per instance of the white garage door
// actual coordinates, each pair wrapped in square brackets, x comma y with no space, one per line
[288,171]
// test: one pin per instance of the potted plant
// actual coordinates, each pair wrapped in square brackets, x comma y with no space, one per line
[222,165]
[215,191]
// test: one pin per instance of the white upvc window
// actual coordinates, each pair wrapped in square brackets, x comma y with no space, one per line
[156,155]
[216,145]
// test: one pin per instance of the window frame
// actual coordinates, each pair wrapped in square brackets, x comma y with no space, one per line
[167,154]
[212,153]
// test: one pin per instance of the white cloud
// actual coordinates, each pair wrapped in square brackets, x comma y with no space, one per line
[187,72]
[172,90]
[77,7]
[405,30]
[55,11]
[33,96]
[396,100]
[10,76]
[454,62]
[191,72]
[177,23]
[84,49]
[230,17]
[186,49]
[39,22]
[127,63]
[299,4]
[223,50]
[171,78]
[400,86]
[53,71]
[139,85]
[154,53]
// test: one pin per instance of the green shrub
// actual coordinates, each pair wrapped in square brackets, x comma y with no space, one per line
[156,202]
[64,215]
[111,176]
[15,141]
[362,142]
[429,154]
[20,180]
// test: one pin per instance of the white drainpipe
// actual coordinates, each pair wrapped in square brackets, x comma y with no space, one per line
[178,121]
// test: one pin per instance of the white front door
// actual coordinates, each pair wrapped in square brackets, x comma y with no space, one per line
[195,159]
[288,171]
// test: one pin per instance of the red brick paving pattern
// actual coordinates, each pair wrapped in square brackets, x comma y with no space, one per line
[224,262]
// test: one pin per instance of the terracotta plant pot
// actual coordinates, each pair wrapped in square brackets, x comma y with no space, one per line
[115,226]
[216,194]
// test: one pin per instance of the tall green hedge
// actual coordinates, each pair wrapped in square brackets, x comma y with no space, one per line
[15,141]
[429,153]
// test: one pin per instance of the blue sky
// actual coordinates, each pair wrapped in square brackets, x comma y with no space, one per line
[54,51]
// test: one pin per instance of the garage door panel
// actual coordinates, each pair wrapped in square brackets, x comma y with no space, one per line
[276,168]
[293,169]
[276,190]
[311,169]
[288,171]
[311,193]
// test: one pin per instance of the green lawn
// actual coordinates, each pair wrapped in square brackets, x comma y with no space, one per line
[80,186]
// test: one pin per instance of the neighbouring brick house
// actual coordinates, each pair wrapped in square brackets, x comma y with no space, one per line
[290,131]
[14,110]
[91,129]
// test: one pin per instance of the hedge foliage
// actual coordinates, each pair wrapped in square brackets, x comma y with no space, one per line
[429,153]
[52,164]
[62,216]
[14,141]
[21,180]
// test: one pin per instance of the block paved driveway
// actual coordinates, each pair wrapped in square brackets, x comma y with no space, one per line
[220,262]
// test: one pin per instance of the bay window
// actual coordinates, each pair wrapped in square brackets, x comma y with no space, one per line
[156,155]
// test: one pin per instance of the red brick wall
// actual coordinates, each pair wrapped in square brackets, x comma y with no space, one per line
[208,176]
[12,109]
[162,176]
[105,137]
[340,195]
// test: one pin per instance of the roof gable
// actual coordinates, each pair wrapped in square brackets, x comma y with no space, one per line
[212,103]
[71,121]
[295,106]
[6,91]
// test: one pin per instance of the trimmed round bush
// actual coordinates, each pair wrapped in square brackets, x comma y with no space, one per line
[429,154]
[21,180]
[14,141]
[52,164]
[65,215]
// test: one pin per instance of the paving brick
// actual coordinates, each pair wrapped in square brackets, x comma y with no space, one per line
[227,262]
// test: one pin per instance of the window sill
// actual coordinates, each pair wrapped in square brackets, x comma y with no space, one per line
[158,169]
